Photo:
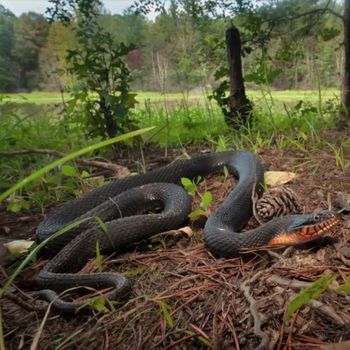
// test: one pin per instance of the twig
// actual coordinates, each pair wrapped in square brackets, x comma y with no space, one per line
[281,333]
[177,342]
[35,342]
[118,170]
[233,331]
[329,201]
[20,302]
[255,313]
[289,338]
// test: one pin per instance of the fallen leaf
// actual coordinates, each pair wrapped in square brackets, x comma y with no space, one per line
[187,230]
[19,246]
[277,178]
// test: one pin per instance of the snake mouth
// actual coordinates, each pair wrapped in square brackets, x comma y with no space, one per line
[306,233]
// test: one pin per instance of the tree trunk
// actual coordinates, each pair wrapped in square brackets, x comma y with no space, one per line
[239,106]
[345,115]
[111,126]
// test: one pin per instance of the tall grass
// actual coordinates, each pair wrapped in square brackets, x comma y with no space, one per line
[285,96]
[179,123]
[33,126]
[186,123]
[39,173]
[182,123]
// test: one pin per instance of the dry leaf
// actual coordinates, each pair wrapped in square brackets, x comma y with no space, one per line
[277,178]
[187,230]
[19,246]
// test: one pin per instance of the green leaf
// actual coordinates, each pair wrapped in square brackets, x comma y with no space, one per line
[53,179]
[166,313]
[98,303]
[199,337]
[186,182]
[39,196]
[302,135]
[196,213]
[206,200]
[344,287]
[98,257]
[189,186]
[306,295]
[84,173]
[104,228]
[136,271]
[69,170]
[17,205]
[329,33]
[226,172]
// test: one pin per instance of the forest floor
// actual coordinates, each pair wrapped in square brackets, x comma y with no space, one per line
[184,298]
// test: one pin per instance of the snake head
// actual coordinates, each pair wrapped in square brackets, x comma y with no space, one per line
[306,227]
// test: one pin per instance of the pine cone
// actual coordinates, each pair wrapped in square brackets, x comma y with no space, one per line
[277,201]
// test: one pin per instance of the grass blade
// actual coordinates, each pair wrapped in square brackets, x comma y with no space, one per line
[344,287]
[166,313]
[98,257]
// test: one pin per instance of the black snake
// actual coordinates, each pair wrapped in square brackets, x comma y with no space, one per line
[122,203]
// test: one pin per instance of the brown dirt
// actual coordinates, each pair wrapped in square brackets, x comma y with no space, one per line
[183,298]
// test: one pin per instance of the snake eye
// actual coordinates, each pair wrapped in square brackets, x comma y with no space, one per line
[317,217]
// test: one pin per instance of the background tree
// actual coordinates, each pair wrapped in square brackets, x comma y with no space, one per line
[263,24]
[301,44]
[31,31]
[52,58]
[101,97]
[346,79]
[8,67]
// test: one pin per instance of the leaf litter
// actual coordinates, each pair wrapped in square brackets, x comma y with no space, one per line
[184,298]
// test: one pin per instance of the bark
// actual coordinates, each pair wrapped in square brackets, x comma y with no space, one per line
[239,106]
[345,117]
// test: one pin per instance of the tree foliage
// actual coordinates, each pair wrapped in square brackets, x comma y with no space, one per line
[184,47]
[101,96]
[31,31]
[7,65]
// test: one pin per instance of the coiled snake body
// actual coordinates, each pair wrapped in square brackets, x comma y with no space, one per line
[121,203]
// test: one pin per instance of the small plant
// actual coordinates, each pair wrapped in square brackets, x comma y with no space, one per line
[339,156]
[102,102]
[344,287]
[39,173]
[166,313]
[98,257]
[104,229]
[99,303]
[206,198]
[314,291]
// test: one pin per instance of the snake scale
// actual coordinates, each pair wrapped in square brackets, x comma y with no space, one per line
[122,205]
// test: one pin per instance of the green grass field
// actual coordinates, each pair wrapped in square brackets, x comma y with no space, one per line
[33,120]
[287,96]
